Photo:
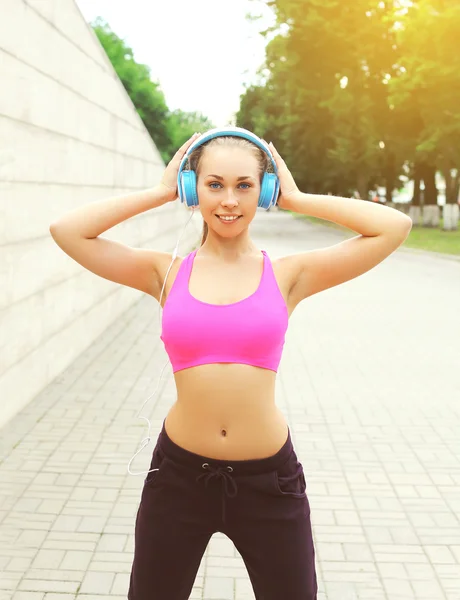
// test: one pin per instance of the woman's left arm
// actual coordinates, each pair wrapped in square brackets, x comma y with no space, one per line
[382,230]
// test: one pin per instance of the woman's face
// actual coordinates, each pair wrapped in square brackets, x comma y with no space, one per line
[228,184]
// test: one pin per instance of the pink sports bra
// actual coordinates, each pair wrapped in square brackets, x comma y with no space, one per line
[251,331]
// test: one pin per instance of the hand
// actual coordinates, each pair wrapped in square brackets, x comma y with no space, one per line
[168,182]
[288,187]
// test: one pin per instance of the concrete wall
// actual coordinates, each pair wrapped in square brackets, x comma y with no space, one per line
[69,135]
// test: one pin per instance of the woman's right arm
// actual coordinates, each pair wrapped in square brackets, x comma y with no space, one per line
[77,233]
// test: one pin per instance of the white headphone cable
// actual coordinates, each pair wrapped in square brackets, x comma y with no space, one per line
[146,440]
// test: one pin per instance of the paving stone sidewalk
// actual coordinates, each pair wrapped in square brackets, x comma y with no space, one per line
[370,385]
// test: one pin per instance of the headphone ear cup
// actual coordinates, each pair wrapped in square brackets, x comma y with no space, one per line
[187,184]
[269,190]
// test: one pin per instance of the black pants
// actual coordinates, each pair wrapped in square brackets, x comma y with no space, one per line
[260,504]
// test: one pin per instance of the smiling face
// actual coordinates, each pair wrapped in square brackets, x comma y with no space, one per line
[228,183]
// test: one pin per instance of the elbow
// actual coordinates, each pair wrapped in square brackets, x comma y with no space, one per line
[55,229]
[403,225]
[408,221]
[404,229]
[399,230]
[407,225]
[65,235]
[59,232]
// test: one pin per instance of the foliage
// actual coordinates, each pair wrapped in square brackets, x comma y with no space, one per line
[354,94]
[168,129]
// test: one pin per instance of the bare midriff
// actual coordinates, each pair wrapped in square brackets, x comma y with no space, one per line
[227,411]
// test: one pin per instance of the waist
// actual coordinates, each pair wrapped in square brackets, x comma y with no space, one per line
[243,465]
[225,432]
[227,411]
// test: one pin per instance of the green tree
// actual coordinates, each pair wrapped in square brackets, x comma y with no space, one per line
[355,93]
[181,126]
[168,129]
[429,84]
[145,94]
[326,91]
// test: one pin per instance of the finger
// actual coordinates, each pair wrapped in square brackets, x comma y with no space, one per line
[274,149]
[193,138]
[180,153]
[279,159]
[274,152]
[168,186]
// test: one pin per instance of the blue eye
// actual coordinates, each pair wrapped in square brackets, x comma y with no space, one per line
[217,183]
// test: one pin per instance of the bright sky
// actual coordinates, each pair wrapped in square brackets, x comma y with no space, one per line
[200,51]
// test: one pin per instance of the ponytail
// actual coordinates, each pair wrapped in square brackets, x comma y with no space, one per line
[205,233]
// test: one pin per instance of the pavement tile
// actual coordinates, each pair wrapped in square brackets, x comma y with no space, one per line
[368,383]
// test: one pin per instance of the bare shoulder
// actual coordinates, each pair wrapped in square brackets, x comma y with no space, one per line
[161,262]
[284,268]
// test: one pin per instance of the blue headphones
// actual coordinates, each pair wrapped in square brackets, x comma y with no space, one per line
[186,178]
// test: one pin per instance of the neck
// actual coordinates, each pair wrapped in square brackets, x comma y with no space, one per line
[228,249]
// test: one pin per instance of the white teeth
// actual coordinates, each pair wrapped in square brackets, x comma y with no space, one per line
[228,218]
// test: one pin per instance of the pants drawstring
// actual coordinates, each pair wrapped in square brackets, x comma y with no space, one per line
[222,473]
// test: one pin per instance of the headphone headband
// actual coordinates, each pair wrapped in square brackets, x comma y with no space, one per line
[229,131]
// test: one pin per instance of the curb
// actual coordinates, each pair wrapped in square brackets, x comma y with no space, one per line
[431,253]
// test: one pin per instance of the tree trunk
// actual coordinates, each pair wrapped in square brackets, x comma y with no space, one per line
[362,186]
[450,210]
[415,205]
[431,212]
[417,179]
[390,176]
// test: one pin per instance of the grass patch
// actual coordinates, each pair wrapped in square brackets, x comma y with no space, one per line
[433,239]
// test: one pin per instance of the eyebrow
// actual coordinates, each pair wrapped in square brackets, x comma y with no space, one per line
[238,179]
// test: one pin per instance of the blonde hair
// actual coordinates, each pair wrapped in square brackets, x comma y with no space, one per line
[196,156]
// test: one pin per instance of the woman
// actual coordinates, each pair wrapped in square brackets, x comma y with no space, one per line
[224,460]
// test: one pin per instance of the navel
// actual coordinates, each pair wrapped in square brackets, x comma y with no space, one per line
[223,432]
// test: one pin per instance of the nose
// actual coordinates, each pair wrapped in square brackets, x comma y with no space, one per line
[230,199]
